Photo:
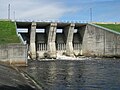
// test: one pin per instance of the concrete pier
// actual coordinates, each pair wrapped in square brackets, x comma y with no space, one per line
[51,33]
[68,32]
[32,46]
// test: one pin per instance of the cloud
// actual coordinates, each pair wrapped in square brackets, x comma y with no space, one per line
[52,11]
[36,9]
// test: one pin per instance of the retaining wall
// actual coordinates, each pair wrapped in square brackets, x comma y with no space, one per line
[100,41]
[14,54]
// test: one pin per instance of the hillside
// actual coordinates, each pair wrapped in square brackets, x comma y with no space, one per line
[115,27]
[8,33]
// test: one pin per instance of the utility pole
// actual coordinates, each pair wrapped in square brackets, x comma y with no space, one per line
[14,15]
[90,14]
[9,11]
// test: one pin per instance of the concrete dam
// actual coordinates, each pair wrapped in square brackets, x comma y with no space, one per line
[49,39]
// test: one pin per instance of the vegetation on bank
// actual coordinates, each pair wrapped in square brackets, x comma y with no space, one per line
[115,27]
[8,33]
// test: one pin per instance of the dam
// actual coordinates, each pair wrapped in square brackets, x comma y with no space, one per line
[48,39]
[38,38]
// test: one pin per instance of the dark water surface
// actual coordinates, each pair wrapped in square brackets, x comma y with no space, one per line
[76,75]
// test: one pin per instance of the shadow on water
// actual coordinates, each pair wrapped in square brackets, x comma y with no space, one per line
[19,87]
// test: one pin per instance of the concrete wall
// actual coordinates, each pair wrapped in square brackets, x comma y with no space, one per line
[14,54]
[99,41]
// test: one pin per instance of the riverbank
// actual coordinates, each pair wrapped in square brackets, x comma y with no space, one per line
[8,32]
[11,79]
[114,27]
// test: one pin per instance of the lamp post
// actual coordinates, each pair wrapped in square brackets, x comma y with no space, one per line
[9,11]
[90,14]
[14,15]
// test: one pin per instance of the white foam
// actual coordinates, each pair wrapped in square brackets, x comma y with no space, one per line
[63,57]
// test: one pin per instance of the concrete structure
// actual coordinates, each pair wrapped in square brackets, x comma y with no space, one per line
[47,39]
[14,54]
[68,33]
[32,47]
[99,41]
[51,35]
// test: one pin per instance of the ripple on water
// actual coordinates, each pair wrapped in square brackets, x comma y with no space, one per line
[89,74]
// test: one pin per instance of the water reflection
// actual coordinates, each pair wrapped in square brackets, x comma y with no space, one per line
[52,72]
[76,75]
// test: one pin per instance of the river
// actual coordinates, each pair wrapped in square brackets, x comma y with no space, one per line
[87,74]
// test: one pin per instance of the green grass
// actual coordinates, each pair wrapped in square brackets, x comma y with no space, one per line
[115,27]
[8,33]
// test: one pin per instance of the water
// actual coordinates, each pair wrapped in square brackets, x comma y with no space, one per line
[76,75]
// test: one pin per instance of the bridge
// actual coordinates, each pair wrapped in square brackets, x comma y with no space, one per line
[48,39]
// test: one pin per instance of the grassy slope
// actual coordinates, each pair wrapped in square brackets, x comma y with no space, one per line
[8,32]
[115,27]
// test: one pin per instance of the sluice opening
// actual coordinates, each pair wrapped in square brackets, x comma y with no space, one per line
[60,42]
[41,40]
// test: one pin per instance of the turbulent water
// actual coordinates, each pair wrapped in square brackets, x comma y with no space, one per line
[102,74]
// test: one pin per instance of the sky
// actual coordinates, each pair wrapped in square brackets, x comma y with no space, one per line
[62,10]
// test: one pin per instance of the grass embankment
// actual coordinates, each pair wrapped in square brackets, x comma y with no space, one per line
[115,27]
[8,33]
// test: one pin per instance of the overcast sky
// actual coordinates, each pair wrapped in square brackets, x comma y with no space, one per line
[71,10]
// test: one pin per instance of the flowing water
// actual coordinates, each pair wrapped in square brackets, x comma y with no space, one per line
[89,74]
